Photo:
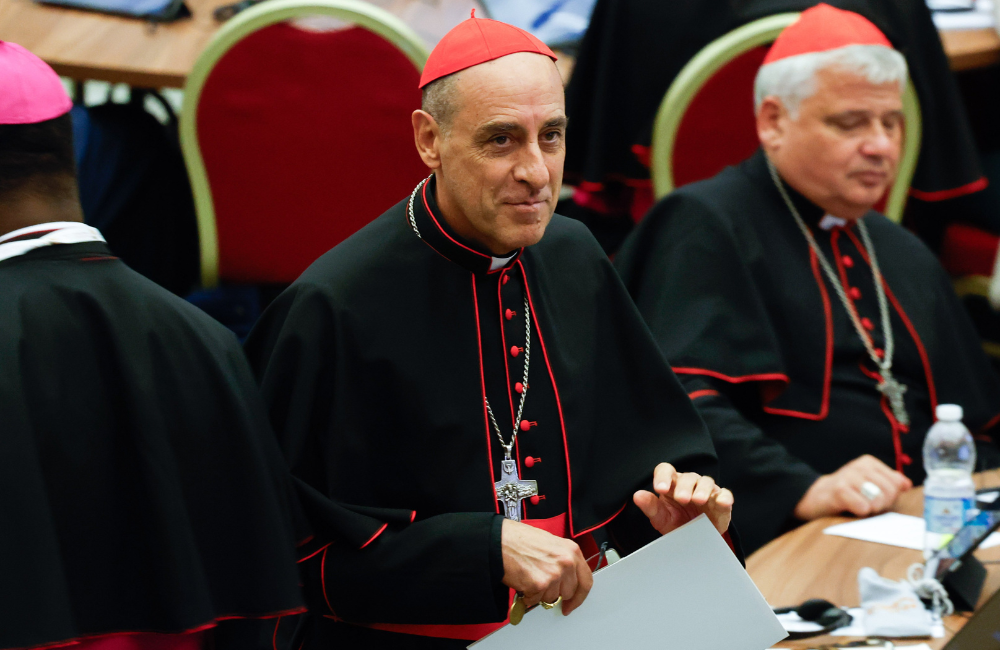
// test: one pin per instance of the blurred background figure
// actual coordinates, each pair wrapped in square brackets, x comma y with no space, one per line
[815,336]
[634,49]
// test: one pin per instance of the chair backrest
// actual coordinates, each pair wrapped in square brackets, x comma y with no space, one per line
[706,119]
[295,138]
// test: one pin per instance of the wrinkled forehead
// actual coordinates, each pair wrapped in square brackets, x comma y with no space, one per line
[838,88]
[524,85]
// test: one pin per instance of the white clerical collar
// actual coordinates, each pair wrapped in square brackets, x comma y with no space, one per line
[500,262]
[28,239]
[829,222]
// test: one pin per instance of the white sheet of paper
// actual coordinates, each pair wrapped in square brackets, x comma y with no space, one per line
[669,593]
[893,529]
[988,497]
[980,17]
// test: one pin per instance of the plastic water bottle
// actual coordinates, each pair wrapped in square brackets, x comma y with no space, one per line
[949,493]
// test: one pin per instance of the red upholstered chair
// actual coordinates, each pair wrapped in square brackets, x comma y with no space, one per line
[295,138]
[706,120]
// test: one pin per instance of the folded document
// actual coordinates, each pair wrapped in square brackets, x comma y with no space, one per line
[668,594]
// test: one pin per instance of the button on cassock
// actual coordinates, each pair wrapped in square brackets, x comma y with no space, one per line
[867,323]
[518,387]
[509,314]
[514,350]
[854,293]
[847,261]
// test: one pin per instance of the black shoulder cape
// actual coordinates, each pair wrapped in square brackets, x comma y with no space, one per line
[140,485]
[634,49]
[371,365]
[720,271]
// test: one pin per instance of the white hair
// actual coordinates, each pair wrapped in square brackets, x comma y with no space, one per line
[793,79]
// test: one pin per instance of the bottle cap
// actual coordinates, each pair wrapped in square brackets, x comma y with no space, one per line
[949,412]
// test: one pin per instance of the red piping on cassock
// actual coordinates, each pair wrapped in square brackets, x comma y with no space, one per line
[931,390]
[943,195]
[482,385]
[555,390]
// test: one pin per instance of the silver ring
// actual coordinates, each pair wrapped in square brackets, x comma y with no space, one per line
[870,491]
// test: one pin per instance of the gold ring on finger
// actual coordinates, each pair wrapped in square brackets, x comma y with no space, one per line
[552,604]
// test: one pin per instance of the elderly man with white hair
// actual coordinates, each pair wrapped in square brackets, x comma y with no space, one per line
[814,335]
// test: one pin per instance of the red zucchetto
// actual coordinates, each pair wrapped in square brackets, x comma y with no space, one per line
[475,41]
[823,28]
[30,91]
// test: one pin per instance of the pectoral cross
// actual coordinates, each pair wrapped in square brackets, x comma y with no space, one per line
[893,390]
[511,490]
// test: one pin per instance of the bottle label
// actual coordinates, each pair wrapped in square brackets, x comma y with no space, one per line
[946,516]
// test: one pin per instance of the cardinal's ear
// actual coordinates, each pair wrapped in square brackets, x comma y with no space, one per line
[772,117]
[427,137]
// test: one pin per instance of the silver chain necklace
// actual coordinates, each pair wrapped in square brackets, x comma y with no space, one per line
[409,206]
[510,489]
[889,386]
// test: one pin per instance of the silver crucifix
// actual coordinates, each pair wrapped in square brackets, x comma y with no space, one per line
[894,390]
[511,490]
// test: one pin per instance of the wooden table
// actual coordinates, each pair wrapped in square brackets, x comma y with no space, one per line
[971,48]
[84,45]
[805,563]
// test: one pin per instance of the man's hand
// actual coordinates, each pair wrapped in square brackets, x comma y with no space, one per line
[839,492]
[544,567]
[680,497]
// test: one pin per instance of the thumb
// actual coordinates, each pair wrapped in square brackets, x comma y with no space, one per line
[648,502]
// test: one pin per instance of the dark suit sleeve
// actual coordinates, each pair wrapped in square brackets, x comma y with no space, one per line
[766,480]
[435,571]
[365,564]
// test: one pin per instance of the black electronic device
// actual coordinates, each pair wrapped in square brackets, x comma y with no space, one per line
[822,612]
[982,631]
[955,566]
[966,540]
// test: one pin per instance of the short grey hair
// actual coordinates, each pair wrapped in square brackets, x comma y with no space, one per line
[793,79]
[440,98]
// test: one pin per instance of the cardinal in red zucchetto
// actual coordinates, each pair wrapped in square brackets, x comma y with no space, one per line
[815,336]
[466,395]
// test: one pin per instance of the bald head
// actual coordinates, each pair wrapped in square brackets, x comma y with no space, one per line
[495,138]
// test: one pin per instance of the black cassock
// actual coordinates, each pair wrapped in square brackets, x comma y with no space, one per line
[634,49]
[740,307]
[141,488]
[375,363]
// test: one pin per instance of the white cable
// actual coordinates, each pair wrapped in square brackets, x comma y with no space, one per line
[930,588]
